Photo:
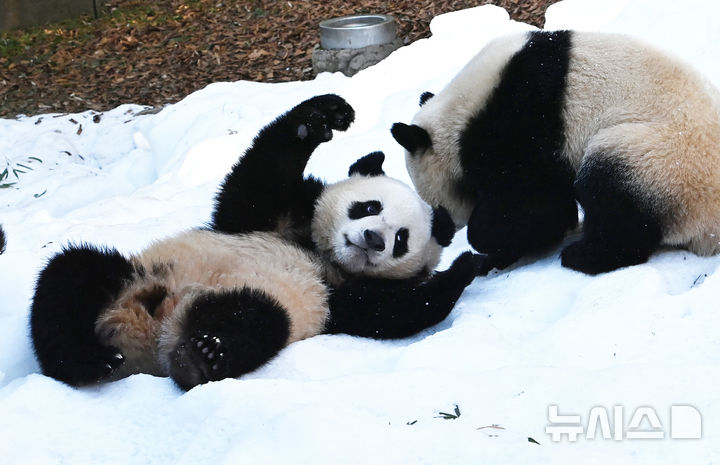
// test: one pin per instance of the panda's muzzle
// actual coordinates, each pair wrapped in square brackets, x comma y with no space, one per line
[373,240]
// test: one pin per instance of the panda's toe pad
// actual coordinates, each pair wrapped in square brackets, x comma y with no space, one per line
[315,128]
[208,351]
[197,360]
[338,113]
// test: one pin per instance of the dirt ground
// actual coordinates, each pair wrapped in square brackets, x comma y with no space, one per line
[158,53]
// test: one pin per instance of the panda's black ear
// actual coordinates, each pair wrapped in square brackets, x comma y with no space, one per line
[412,138]
[443,227]
[425,96]
[369,165]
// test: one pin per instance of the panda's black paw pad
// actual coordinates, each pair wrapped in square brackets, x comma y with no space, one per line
[314,127]
[320,115]
[338,113]
[209,356]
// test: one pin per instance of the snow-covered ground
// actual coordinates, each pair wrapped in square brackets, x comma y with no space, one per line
[643,339]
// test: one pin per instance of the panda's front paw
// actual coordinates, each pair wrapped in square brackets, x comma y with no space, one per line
[593,257]
[469,265]
[319,116]
[337,112]
[481,264]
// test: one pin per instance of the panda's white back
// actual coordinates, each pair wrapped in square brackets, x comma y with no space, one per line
[616,79]
[626,98]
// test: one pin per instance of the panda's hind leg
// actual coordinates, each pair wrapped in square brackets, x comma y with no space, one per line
[225,334]
[622,225]
[74,289]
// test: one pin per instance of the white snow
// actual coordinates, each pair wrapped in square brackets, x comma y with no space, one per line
[517,342]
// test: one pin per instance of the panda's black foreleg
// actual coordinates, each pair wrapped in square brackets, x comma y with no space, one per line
[71,291]
[621,226]
[388,309]
[267,183]
[226,334]
[509,227]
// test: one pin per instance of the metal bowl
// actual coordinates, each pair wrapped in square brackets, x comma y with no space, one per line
[357,31]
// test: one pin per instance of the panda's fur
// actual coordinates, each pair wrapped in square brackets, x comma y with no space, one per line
[383,239]
[354,257]
[539,120]
[146,320]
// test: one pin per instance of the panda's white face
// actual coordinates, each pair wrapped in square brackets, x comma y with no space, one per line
[375,226]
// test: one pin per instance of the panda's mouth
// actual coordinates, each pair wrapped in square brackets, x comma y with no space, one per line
[355,256]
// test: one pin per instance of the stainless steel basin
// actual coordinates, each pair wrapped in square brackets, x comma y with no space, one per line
[357,31]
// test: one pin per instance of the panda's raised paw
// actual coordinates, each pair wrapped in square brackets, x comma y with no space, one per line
[319,116]
[337,112]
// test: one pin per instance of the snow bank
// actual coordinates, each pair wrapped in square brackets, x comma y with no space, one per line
[517,342]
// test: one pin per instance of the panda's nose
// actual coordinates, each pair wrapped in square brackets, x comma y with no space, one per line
[374,240]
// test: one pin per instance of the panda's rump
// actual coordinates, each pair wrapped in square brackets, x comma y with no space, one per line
[132,323]
[631,103]
[257,260]
[674,171]
[151,310]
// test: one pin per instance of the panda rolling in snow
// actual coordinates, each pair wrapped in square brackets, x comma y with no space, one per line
[285,258]
[539,120]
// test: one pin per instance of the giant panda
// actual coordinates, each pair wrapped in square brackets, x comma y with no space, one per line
[539,120]
[284,258]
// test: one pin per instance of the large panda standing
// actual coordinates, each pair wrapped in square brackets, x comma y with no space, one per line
[539,120]
[285,258]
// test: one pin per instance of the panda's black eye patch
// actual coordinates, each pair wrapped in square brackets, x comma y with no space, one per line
[362,209]
[401,242]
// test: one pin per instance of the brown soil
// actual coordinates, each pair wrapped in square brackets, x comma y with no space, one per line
[158,54]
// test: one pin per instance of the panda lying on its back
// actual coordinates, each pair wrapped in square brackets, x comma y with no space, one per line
[540,119]
[286,258]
